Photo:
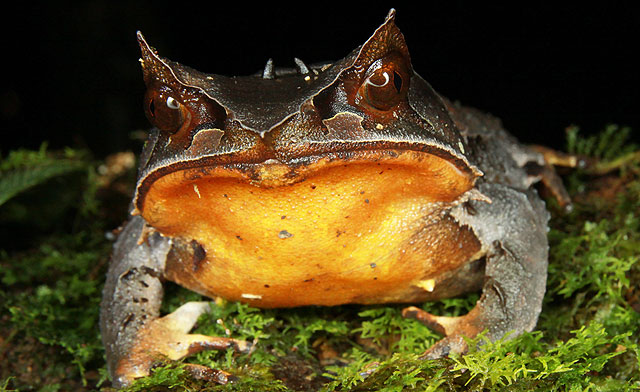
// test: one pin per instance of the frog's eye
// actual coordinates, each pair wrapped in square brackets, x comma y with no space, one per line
[385,84]
[165,111]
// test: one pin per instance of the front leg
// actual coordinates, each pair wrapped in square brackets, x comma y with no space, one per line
[513,232]
[133,333]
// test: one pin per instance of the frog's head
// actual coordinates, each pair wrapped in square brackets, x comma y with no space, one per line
[285,126]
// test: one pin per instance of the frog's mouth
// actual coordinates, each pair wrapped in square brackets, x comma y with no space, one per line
[438,178]
[442,177]
[322,189]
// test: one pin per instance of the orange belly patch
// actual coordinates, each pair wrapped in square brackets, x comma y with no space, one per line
[346,233]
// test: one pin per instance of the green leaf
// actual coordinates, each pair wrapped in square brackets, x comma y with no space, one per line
[24,169]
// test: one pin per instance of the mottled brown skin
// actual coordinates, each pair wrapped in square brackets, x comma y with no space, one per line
[354,182]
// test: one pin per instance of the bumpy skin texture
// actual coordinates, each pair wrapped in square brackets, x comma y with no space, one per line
[133,288]
[135,336]
[462,213]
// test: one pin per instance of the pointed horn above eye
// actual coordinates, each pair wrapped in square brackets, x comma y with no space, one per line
[153,66]
[147,51]
[387,38]
[390,15]
[149,54]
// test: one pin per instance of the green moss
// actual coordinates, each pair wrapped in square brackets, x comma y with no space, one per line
[50,271]
[586,339]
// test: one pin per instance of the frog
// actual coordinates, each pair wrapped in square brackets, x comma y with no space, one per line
[347,182]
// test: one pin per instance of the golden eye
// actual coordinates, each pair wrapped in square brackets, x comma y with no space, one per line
[164,111]
[385,84]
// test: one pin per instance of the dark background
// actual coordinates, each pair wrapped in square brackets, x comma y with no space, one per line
[73,77]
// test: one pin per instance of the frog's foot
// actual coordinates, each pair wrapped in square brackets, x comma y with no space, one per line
[454,328]
[168,337]
[550,179]
[558,158]
[515,271]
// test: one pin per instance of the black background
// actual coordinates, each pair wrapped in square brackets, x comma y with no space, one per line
[73,76]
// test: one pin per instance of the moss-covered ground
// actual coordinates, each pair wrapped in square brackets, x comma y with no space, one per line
[57,210]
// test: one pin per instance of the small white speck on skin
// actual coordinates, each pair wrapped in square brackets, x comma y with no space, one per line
[461,147]
[379,127]
[195,188]
[283,234]
[251,296]
[307,78]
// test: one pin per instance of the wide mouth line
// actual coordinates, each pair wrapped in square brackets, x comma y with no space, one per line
[273,172]
[346,151]
[206,164]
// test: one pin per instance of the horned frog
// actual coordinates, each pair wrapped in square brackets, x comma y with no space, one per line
[348,183]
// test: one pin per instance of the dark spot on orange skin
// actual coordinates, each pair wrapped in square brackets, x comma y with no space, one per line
[199,255]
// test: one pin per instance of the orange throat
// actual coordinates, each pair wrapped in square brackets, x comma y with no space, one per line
[332,232]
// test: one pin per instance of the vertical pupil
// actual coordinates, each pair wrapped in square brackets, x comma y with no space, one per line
[397,81]
[152,107]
